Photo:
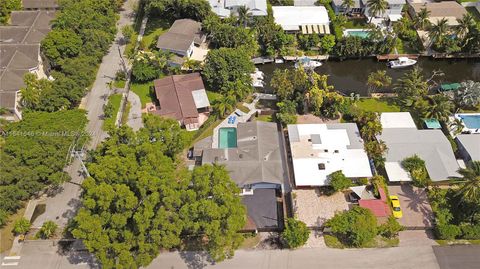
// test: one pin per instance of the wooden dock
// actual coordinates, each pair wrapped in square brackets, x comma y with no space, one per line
[316,57]
[389,57]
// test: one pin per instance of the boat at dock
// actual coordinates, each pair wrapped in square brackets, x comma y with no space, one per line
[401,62]
[307,63]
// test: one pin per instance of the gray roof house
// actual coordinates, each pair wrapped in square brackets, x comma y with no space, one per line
[224,8]
[256,165]
[469,146]
[358,6]
[182,36]
[432,146]
[39,4]
[19,54]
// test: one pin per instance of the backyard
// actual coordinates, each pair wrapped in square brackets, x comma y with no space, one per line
[143,91]
[378,104]
[154,28]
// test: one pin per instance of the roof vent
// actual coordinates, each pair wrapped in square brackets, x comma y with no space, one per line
[240,155]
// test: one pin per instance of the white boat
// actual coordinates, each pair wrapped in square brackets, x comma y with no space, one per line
[401,62]
[258,84]
[307,63]
[257,74]
[279,61]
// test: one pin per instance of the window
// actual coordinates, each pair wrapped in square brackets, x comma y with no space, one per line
[309,140]
[335,151]
[321,166]
[325,150]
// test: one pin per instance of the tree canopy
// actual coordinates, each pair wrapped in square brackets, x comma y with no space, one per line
[6,7]
[356,227]
[139,200]
[179,9]
[34,153]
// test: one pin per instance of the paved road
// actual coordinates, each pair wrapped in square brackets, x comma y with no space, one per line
[458,257]
[41,254]
[63,205]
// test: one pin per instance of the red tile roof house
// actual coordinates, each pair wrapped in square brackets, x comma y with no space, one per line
[182,97]
[379,207]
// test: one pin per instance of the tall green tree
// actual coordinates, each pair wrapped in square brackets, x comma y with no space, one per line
[412,85]
[378,79]
[243,15]
[376,7]
[224,105]
[438,32]
[440,107]
[355,227]
[61,44]
[296,233]
[214,211]
[469,187]
[422,19]
[226,65]
[347,5]
[464,25]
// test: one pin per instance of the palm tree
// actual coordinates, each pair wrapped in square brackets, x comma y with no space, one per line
[464,24]
[224,105]
[376,7]
[422,21]
[469,186]
[347,4]
[378,79]
[438,31]
[243,15]
[440,107]
[456,126]
[48,229]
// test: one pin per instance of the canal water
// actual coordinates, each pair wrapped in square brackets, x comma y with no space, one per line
[351,75]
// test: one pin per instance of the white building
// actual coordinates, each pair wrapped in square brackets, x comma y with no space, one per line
[304,19]
[321,149]
[392,13]
[223,8]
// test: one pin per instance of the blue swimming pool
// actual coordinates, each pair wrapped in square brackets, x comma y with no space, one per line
[471,121]
[227,137]
[360,33]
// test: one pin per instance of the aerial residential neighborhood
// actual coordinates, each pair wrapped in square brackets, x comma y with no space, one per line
[239,134]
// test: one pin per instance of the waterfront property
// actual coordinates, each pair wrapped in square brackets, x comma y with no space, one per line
[320,149]
[181,39]
[449,10]
[225,8]
[469,147]
[302,19]
[393,12]
[183,98]
[256,164]
[357,8]
[20,54]
[404,140]
[470,121]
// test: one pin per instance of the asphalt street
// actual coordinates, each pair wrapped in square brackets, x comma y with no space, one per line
[64,203]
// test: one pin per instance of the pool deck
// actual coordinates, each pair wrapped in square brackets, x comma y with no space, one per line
[243,118]
[465,127]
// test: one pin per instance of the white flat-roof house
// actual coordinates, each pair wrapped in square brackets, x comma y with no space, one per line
[223,8]
[321,149]
[404,140]
[392,13]
[304,19]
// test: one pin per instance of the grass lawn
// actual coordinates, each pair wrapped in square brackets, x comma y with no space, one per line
[379,242]
[250,242]
[403,47]
[355,23]
[119,84]
[6,235]
[378,105]
[474,12]
[115,100]
[267,118]
[143,91]
[213,96]
[154,28]
[457,242]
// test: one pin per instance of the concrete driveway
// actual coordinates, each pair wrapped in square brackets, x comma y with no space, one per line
[417,213]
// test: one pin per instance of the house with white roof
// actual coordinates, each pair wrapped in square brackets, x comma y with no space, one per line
[392,13]
[404,140]
[318,150]
[223,8]
[469,147]
[302,19]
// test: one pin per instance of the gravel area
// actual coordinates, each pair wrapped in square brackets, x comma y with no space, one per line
[310,118]
[314,209]
[315,240]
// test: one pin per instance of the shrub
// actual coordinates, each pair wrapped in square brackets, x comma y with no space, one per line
[416,167]
[390,229]
[3,217]
[355,227]
[296,233]
[339,181]
[21,226]
[470,232]
[48,229]
[447,231]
